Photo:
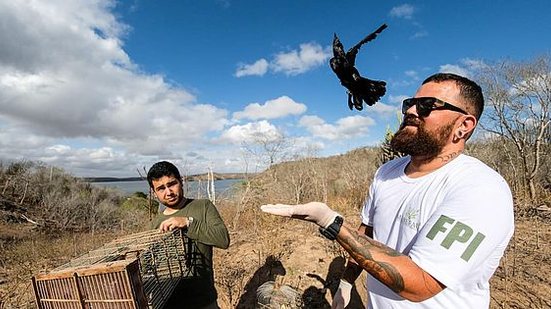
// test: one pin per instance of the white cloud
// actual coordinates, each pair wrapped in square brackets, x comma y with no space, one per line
[309,56]
[344,128]
[259,68]
[382,108]
[398,99]
[18,144]
[402,11]
[474,64]
[419,34]
[294,62]
[39,35]
[455,69]
[307,146]
[466,67]
[65,79]
[277,108]
[412,74]
[406,11]
[250,132]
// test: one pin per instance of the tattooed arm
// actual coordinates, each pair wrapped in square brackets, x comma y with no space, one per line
[394,269]
[343,294]
[353,270]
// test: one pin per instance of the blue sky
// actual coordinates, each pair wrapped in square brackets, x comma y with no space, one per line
[102,88]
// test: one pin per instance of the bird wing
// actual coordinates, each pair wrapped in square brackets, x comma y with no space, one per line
[338,49]
[352,52]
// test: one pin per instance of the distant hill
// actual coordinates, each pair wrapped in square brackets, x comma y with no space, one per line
[110,179]
[217,176]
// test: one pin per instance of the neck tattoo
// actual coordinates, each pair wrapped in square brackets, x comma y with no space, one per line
[448,157]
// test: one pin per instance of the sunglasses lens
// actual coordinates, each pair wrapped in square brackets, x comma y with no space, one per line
[406,104]
[424,106]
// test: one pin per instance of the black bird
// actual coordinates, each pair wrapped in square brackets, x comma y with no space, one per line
[360,89]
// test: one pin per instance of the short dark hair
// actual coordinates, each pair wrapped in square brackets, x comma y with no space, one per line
[469,90]
[161,169]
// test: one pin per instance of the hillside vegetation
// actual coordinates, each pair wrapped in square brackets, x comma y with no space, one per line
[44,208]
[268,248]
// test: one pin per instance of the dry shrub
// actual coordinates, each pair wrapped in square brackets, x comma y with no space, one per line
[41,210]
[315,179]
[26,258]
[500,155]
[256,238]
[56,201]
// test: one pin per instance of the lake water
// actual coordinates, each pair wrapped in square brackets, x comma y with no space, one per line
[192,189]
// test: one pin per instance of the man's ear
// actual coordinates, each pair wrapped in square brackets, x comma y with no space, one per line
[466,127]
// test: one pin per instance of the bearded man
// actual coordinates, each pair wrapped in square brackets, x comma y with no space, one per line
[436,222]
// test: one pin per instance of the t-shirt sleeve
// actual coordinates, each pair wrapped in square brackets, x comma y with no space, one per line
[208,227]
[463,240]
[366,215]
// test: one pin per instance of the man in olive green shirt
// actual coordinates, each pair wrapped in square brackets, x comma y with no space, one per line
[204,228]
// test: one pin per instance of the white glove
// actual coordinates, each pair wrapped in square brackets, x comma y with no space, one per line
[316,212]
[342,296]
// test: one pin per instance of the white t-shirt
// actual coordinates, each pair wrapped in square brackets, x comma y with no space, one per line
[454,223]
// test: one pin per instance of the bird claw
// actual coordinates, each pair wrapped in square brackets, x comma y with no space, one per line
[355,102]
[358,103]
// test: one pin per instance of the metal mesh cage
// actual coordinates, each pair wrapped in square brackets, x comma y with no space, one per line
[136,271]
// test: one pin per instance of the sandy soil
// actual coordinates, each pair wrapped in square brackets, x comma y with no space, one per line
[295,255]
[301,267]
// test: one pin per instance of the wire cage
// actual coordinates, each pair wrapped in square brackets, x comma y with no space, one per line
[138,271]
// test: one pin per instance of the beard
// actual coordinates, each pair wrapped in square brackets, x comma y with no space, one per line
[422,142]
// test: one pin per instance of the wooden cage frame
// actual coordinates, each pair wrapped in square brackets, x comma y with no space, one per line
[138,271]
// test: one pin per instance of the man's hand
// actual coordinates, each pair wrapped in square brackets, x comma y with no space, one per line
[173,223]
[342,296]
[315,212]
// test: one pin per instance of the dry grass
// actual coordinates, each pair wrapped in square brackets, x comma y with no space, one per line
[291,253]
[294,253]
[523,279]
[22,259]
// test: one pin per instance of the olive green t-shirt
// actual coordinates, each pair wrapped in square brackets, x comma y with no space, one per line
[206,230]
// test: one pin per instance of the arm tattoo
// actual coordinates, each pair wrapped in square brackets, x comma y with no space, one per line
[361,247]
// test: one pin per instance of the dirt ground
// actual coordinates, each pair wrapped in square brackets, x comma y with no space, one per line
[295,266]
[291,255]
[523,279]
[294,254]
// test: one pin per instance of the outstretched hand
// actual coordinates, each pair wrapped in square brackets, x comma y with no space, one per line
[316,212]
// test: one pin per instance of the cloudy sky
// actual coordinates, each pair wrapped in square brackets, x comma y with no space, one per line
[102,88]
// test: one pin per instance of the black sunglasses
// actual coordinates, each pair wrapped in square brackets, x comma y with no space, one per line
[425,105]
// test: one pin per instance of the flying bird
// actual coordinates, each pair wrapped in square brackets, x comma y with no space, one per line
[359,89]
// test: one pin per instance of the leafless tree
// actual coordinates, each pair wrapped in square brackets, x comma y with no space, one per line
[267,149]
[518,99]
